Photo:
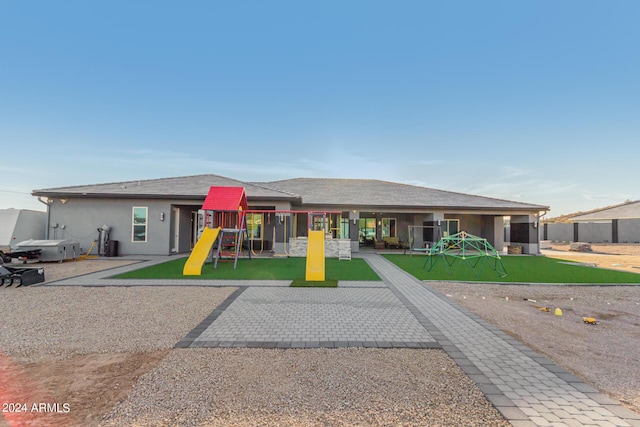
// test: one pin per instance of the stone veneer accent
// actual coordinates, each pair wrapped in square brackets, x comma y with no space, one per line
[298,247]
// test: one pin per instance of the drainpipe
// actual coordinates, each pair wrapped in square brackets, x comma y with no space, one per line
[46,230]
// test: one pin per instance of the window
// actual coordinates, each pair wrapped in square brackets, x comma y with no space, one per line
[344,228]
[139,224]
[450,226]
[389,227]
[254,226]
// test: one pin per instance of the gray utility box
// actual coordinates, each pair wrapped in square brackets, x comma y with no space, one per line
[52,250]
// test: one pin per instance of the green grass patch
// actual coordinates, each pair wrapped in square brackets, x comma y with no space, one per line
[257,269]
[301,283]
[520,269]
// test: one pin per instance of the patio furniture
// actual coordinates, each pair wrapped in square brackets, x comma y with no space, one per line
[391,242]
[378,244]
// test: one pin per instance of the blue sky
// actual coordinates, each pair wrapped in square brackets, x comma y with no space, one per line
[534,101]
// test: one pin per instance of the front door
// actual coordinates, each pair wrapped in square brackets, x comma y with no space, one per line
[176,230]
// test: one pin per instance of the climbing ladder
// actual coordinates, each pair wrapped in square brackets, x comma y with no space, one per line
[230,244]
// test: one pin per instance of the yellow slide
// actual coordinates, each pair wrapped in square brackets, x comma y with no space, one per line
[315,256]
[200,252]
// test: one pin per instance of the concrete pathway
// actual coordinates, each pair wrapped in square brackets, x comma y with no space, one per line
[103,278]
[401,311]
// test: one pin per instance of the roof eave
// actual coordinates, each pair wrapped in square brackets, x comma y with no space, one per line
[116,196]
[427,207]
[148,196]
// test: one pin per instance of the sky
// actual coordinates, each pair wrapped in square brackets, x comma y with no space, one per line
[535,101]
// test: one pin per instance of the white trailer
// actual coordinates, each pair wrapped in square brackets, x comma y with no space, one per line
[17,225]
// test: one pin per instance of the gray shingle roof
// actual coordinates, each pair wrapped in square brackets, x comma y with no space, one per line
[626,211]
[308,191]
[372,192]
[184,187]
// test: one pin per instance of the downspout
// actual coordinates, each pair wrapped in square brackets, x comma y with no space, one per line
[46,230]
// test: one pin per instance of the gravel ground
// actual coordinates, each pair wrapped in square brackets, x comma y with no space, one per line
[38,323]
[61,270]
[320,387]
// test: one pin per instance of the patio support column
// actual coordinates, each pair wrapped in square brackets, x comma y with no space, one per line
[354,218]
[524,232]
[498,233]
[432,219]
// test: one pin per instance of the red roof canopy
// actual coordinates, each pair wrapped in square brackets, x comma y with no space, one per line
[225,199]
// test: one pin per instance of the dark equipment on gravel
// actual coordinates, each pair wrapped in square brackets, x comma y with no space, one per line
[18,276]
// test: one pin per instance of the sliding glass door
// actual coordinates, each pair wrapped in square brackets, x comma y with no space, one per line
[367,231]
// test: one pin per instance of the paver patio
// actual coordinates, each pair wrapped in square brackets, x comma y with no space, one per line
[295,317]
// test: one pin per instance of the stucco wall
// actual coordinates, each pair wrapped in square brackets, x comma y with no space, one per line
[472,224]
[498,233]
[594,232]
[79,219]
[402,226]
[525,233]
[491,227]
[560,232]
[629,231]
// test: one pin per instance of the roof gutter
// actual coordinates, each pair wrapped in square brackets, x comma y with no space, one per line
[195,197]
[540,215]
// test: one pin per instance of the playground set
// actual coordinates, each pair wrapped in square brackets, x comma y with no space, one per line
[436,232]
[224,233]
[476,252]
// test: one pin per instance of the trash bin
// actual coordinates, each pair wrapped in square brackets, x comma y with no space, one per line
[112,248]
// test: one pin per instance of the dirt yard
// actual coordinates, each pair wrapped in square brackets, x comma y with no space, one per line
[611,256]
[89,384]
[605,355]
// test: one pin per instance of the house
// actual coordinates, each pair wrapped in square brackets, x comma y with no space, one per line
[160,216]
[613,224]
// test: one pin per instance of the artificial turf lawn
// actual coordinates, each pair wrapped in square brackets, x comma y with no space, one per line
[257,269]
[527,269]
[301,283]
